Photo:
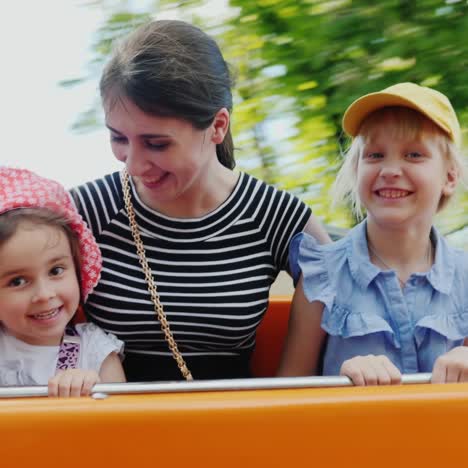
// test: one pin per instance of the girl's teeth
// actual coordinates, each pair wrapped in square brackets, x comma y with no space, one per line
[393,193]
[46,315]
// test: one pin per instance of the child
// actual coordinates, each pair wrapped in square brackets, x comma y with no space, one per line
[47,254]
[392,294]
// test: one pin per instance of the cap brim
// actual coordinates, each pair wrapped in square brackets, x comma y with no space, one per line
[369,103]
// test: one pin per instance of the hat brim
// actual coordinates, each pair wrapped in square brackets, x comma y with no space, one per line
[362,107]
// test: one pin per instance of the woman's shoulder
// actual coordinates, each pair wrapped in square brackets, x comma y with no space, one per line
[266,187]
[99,201]
[109,185]
[279,208]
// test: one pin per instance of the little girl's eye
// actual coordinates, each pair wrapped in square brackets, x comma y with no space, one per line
[413,155]
[17,282]
[374,155]
[56,271]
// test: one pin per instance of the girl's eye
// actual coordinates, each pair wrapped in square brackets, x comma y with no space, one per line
[56,271]
[374,155]
[413,155]
[17,282]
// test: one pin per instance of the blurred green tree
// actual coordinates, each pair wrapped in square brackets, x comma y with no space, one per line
[299,63]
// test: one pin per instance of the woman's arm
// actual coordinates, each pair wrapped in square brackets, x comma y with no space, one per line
[112,370]
[305,337]
[314,228]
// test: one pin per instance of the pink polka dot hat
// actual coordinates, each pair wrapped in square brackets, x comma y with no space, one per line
[21,188]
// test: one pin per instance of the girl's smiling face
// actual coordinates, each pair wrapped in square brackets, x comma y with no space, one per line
[39,288]
[401,179]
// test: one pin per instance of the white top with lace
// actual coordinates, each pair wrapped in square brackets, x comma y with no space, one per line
[25,364]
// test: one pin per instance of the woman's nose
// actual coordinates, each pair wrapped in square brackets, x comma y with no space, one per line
[135,161]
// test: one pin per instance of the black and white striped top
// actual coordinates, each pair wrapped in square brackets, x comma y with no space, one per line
[213,274]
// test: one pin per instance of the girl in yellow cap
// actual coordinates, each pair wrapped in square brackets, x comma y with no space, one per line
[392,294]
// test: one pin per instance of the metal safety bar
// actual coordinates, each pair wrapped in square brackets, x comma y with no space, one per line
[103,390]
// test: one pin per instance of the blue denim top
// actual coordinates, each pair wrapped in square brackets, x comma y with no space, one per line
[366,311]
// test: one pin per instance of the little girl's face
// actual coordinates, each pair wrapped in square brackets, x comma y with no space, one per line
[39,289]
[401,180]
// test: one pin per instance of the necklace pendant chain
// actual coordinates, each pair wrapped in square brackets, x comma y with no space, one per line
[152,289]
[427,258]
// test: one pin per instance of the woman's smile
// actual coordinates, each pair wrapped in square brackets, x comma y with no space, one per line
[154,182]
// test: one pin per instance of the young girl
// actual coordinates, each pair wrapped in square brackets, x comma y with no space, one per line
[49,263]
[392,294]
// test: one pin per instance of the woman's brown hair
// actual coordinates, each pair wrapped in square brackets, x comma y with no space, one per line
[170,68]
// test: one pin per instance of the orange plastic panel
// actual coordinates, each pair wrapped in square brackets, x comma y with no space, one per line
[410,426]
[270,337]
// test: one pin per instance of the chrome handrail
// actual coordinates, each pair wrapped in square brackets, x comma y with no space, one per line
[266,383]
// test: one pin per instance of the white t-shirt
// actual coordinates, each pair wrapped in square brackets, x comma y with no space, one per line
[25,364]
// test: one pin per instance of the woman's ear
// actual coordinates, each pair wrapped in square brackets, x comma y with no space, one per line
[451,182]
[220,126]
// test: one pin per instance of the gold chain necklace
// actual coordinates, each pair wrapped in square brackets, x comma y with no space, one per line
[427,258]
[152,289]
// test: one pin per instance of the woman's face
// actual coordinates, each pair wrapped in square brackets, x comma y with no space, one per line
[169,160]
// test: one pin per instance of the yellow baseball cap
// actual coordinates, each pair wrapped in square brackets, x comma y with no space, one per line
[431,103]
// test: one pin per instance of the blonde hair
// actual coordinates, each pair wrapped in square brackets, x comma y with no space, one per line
[400,122]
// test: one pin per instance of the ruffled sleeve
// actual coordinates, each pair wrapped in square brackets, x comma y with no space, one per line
[97,345]
[453,326]
[307,258]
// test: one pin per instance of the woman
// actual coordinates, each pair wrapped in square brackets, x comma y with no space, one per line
[178,217]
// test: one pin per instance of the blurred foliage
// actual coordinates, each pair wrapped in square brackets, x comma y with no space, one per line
[299,63]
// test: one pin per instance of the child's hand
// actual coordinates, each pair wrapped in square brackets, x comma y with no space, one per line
[73,383]
[451,366]
[371,370]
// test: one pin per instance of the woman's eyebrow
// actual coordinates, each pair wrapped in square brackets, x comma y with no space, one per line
[143,135]
[113,129]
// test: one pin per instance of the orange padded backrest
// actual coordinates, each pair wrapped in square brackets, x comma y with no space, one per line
[270,337]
